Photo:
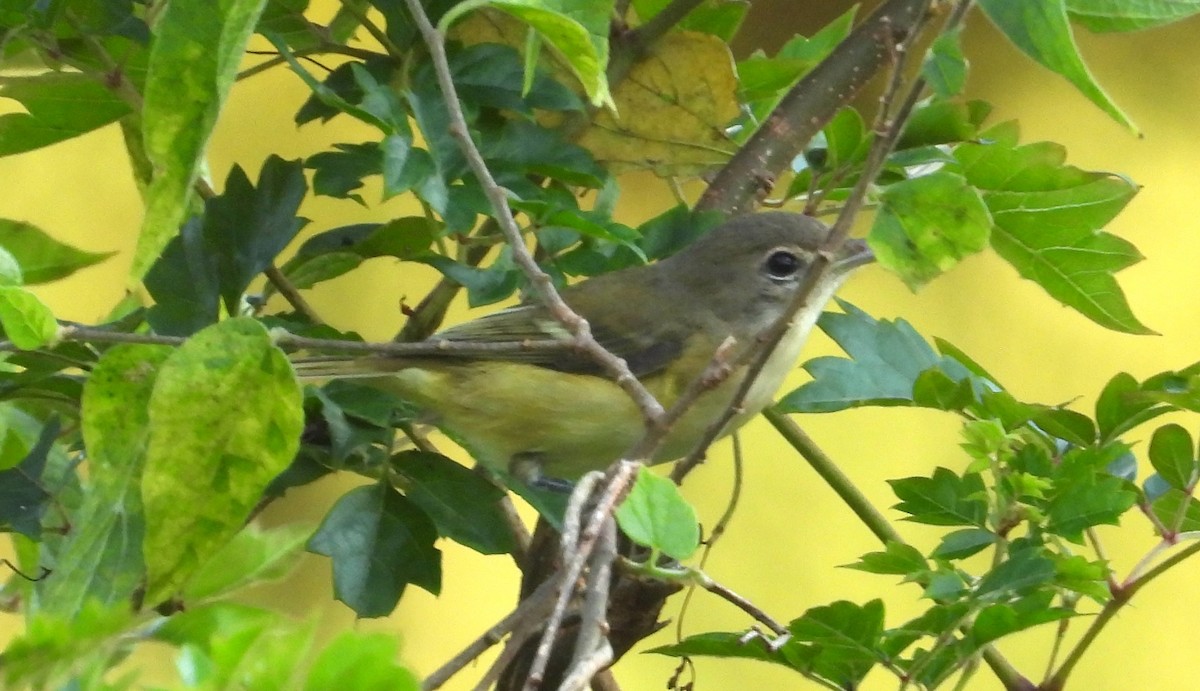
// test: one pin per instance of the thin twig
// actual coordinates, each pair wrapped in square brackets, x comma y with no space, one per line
[809,105]
[88,334]
[323,49]
[289,292]
[532,608]
[741,603]
[593,652]
[618,369]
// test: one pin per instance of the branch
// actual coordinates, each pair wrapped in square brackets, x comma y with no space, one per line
[652,410]
[534,607]
[810,104]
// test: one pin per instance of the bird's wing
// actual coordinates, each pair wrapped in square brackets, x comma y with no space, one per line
[647,344]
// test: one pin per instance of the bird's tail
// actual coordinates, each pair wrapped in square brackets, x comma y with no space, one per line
[345,367]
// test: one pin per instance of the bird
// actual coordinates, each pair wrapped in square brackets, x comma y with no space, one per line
[547,416]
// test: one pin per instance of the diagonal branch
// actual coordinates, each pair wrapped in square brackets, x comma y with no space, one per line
[809,105]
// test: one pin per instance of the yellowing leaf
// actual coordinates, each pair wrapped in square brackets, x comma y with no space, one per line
[672,109]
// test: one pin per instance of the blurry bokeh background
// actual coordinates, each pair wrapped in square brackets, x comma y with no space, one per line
[785,545]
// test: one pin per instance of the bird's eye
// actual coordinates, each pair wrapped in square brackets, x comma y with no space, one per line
[783,264]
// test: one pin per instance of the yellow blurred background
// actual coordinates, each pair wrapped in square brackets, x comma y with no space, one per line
[785,545]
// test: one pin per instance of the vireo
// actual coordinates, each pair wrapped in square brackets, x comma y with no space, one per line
[553,414]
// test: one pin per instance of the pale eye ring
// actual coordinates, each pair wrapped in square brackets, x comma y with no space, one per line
[783,264]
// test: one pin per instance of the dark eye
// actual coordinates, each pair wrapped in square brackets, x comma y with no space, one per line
[783,264]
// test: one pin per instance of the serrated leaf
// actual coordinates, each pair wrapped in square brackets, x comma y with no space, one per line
[379,542]
[1047,217]
[886,360]
[101,558]
[463,504]
[961,544]
[846,638]
[999,620]
[897,558]
[225,419]
[671,111]
[59,106]
[1081,505]
[1023,571]
[1040,29]
[42,258]
[655,514]
[1119,408]
[942,499]
[1173,455]
[720,644]
[1124,15]
[194,58]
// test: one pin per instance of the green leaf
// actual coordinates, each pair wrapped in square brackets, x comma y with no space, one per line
[379,542]
[194,58]
[26,320]
[1047,217]
[59,106]
[943,499]
[225,419]
[1173,455]
[1085,577]
[897,558]
[846,638]
[579,32]
[1041,30]
[945,68]
[998,620]
[54,650]
[101,558]
[656,515]
[961,544]
[41,257]
[1178,511]
[1129,15]
[184,284]
[254,555]
[940,122]
[248,225]
[10,270]
[464,504]
[886,361]
[238,237]
[1081,505]
[720,644]
[230,646]
[1023,571]
[23,493]
[926,225]
[1119,408]
[360,660]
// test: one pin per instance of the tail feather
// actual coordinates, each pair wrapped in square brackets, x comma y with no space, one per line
[343,367]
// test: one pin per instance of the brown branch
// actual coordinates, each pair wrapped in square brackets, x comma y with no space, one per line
[810,104]
[532,608]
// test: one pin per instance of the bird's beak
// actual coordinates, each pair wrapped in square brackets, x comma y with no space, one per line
[853,254]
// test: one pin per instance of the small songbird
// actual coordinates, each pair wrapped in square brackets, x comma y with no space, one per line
[554,414]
